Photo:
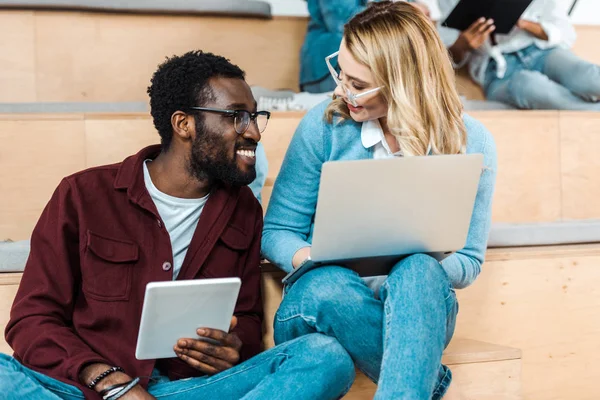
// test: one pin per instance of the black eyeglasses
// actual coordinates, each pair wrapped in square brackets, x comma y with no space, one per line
[241,118]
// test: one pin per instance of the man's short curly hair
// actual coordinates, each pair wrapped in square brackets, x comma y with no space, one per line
[181,82]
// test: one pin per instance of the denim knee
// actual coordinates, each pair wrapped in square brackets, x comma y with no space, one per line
[590,85]
[322,298]
[419,269]
[328,287]
[329,355]
[527,88]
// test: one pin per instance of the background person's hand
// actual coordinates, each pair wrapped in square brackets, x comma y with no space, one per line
[220,353]
[472,38]
[532,27]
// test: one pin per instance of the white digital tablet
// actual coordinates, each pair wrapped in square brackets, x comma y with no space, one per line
[176,309]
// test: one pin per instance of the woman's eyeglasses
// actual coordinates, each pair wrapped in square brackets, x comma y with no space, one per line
[241,118]
[352,97]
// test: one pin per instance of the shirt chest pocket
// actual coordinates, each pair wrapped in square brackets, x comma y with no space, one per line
[107,267]
[229,253]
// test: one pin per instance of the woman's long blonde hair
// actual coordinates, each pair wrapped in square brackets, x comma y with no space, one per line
[402,48]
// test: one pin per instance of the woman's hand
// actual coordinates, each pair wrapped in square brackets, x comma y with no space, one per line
[532,27]
[300,256]
[472,38]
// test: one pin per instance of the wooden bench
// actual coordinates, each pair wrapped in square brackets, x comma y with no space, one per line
[51,56]
[484,371]
[547,160]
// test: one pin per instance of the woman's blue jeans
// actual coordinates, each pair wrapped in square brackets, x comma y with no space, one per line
[396,337]
[554,79]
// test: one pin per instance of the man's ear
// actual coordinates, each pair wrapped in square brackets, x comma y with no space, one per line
[183,125]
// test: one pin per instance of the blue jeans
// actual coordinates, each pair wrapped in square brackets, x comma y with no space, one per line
[396,338]
[313,367]
[554,79]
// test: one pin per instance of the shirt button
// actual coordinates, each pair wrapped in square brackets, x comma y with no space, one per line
[159,223]
[166,266]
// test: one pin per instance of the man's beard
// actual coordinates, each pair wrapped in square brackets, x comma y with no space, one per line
[210,159]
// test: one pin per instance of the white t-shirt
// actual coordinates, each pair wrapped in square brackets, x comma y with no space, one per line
[180,217]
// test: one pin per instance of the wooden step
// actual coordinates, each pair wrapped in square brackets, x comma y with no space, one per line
[546,302]
[481,371]
[80,56]
[548,164]
[543,300]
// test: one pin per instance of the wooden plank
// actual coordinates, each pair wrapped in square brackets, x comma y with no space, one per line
[542,252]
[497,380]
[132,46]
[10,278]
[54,56]
[580,163]
[276,139]
[548,307]
[17,56]
[35,156]
[467,351]
[528,181]
[272,295]
[41,117]
[110,140]
[586,45]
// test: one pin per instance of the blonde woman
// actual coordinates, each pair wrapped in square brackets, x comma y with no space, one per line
[395,98]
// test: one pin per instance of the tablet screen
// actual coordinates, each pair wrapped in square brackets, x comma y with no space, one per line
[176,309]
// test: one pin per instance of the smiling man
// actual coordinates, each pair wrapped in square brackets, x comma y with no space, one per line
[179,210]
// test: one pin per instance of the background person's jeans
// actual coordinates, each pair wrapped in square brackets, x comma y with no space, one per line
[554,79]
[313,367]
[396,338]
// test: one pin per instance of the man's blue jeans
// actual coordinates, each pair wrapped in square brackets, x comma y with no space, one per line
[396,337]
[313,367]
[554,79]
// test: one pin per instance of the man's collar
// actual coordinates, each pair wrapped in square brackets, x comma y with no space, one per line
[130,172]
[371,133]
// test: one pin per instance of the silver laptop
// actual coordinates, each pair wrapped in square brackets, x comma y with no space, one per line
[372,213]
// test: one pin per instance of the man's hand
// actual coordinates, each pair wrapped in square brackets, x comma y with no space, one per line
[472,38]
[93,370]
[211,357]
[532,27]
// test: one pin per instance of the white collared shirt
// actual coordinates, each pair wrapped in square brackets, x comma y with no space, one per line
[371,135]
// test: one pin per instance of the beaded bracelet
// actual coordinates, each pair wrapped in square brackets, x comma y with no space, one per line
[103,375]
